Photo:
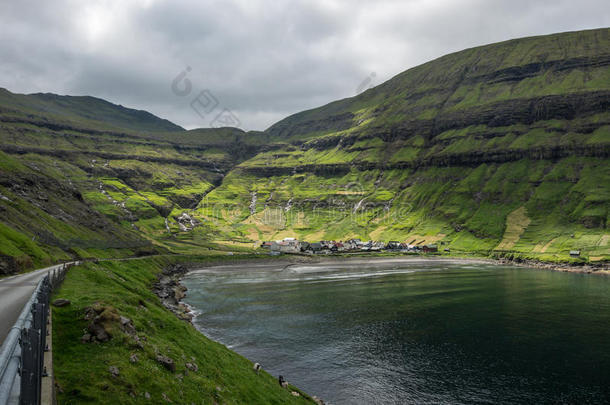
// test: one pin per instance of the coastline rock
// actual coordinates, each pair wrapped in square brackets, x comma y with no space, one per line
[170,291]
[317,400]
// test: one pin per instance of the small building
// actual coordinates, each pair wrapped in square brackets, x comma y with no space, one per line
[315,247]
[367,246]
[393,245]
[575,253]
[430,248]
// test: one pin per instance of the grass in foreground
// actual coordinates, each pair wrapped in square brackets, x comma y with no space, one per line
[82,369]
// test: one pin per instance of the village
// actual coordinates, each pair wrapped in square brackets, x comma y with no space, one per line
[295,246]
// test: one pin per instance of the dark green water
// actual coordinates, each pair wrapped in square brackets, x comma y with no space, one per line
[415,331]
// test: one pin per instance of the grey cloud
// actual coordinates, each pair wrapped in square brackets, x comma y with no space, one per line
[262,59]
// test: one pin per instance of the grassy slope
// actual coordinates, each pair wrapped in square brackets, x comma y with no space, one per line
[90,111]
[81,369]
[371,150]
[99,182]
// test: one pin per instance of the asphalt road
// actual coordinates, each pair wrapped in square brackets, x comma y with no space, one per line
[15,291]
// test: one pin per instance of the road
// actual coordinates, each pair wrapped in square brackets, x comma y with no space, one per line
[15,291]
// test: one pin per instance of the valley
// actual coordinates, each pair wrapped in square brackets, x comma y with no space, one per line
[495,151]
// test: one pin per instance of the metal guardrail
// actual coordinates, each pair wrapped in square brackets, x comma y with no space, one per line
[22,353]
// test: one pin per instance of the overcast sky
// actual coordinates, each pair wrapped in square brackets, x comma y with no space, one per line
[261,60]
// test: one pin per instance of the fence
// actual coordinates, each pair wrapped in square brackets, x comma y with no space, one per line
[22,353]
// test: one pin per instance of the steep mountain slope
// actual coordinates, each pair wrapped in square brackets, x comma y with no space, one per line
[88,110]
[83,177]
[501,148]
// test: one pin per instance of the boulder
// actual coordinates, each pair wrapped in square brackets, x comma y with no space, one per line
[61,303]
[114,371]
[103,320]
[166,362]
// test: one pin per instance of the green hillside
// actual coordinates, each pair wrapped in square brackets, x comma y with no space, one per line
[496,150]
[203,372]
[86,109]
[500,149]
[73,187]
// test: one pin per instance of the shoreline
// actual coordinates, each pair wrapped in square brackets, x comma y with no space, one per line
[176,291]
[289,259]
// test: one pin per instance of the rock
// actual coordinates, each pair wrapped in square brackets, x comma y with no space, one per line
[138,342]
[133,358]
[169,290]
[179,292]
[61,303]
[295,394]
[99,332]
[317,400]
[103,319]
[146,395]
[8,265]
[114,371]
[192,367]
[167,362]
[86,338]
[127,325]
[185,316]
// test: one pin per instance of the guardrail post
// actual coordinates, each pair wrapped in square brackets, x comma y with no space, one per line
[30,389]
